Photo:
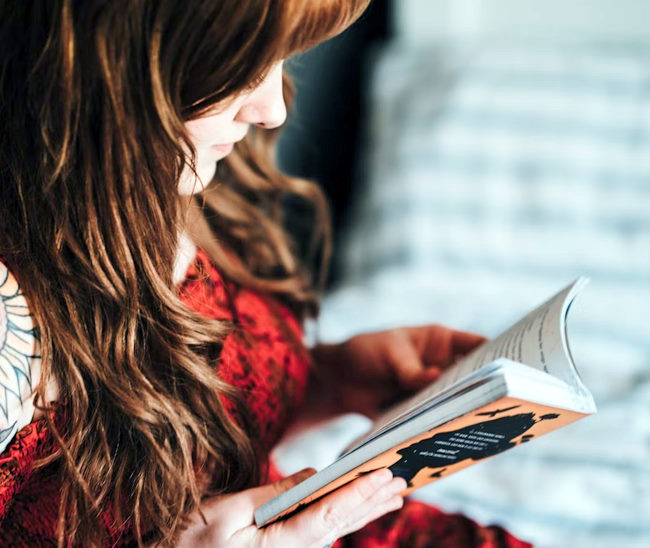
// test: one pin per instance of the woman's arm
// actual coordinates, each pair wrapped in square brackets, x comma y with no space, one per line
[20,365]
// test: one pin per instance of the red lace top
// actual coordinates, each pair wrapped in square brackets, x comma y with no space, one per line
[264,357]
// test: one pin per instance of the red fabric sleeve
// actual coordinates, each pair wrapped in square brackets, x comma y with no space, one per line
[16,463]
[418,525]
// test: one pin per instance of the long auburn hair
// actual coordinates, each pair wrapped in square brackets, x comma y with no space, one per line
[93,97]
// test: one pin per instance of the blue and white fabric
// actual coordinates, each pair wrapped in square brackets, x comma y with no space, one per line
[494,177]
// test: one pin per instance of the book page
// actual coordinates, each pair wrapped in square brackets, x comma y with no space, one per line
[538,340]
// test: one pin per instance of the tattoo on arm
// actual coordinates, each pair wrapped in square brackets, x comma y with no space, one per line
[19,358]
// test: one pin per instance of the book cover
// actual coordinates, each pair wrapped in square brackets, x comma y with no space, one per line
[511,390]
[457,444]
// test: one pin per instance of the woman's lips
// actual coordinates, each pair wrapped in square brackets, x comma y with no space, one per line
[224,149]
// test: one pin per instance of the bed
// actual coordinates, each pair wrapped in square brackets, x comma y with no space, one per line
[499,167]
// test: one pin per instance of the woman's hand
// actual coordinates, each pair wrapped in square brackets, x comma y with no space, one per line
[230,517]
[368,372]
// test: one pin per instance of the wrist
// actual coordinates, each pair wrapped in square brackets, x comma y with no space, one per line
[325,356]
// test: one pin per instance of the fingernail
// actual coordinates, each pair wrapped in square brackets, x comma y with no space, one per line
[382,477]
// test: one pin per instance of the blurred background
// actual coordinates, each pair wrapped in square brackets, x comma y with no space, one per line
[479,155]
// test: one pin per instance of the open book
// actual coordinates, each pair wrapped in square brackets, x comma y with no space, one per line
[510,390]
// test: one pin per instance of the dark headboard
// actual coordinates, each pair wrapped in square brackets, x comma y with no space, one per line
[322,138]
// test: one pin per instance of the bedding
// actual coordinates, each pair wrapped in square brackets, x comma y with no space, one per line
[494,176]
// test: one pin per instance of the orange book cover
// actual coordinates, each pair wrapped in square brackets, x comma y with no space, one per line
[509,391]
[457,444]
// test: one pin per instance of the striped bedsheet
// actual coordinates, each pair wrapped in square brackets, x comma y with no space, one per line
[494,177]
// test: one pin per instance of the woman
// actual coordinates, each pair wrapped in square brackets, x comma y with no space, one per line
[141,227]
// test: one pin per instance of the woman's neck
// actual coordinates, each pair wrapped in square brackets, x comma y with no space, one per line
[184,257]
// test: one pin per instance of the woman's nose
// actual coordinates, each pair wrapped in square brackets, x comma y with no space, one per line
[264,106]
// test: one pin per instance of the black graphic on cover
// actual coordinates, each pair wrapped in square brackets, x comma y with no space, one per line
[496,411]
[476,442]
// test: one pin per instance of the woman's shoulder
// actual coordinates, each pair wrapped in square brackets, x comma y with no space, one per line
[20,364]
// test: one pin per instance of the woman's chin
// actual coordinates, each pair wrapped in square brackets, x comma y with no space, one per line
[190,183]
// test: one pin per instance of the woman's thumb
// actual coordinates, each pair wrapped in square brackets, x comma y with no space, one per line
[267,492]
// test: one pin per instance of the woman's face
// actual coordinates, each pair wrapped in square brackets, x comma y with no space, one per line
[214,134]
